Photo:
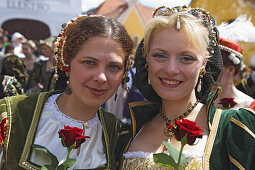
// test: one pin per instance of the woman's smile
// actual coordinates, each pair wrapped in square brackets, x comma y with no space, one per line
[172,83]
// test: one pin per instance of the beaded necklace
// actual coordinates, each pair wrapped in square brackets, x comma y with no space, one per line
[168,132]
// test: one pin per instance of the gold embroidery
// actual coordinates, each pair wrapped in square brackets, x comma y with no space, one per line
[8,129]
[236,163]
[148,164]
[134,104]
[106,137]
[24,162]
[210,140]
[242,126]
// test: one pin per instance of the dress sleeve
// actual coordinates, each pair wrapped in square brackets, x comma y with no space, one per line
[240,140]
[3,122]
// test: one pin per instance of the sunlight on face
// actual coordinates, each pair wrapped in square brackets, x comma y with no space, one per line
[173,64]
[96,71]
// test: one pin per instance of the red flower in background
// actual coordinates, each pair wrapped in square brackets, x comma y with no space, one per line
[227,102]
[70,135]
[186,127]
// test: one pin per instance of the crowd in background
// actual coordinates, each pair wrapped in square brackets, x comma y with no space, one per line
[29,62]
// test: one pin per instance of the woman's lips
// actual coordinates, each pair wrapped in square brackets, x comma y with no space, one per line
[97,92]
[170,83]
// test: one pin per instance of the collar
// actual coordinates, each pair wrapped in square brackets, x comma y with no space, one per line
[143,111]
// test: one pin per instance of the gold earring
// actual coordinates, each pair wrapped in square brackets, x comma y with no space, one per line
[201,75]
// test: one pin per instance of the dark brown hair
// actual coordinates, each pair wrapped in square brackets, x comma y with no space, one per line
[227,62]
[90,26]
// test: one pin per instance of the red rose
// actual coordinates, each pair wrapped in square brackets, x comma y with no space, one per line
[186,127]
[227,102]
[70,135]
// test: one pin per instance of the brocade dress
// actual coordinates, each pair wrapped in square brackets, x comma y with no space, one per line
[144,160]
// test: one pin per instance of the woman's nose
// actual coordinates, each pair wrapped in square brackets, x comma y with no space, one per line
[100,76]
[171,67]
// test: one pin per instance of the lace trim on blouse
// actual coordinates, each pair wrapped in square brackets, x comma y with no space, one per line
[52,106]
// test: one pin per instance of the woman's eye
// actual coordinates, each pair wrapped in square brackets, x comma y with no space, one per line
[187,59]
[115,67]
[159,55]
[90,63]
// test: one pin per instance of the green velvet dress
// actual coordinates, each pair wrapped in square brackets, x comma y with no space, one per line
[20,116]
[231,141]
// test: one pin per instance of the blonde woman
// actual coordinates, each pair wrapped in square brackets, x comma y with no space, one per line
[177,63]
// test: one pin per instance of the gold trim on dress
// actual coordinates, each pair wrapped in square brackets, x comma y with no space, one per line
[210,140]
[242,126]
[217,91]
[124,132]
[9,126]
[134,104]
[106,138]
[235,162]
[24,162]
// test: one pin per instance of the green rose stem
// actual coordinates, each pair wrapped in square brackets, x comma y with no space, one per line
[180,155]
[67,157]
[183,143]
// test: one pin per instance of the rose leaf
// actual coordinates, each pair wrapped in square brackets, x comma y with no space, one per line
[164,160]
[174,153]
[54,160]
[70,163]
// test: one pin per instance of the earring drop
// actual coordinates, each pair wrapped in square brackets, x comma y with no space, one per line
[149,81]
[201,75]
[68,90]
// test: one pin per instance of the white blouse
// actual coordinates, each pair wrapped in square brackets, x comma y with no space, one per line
[91,153]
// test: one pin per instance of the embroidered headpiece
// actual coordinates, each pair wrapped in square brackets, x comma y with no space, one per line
[204,16]
[60,46]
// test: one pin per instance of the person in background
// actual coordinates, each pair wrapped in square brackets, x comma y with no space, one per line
[9,50]
[231,97]
[12,65]
[94,75]
[31,62]
[247,85]
[16,39]
[177,63]
[41,76]
[239,30]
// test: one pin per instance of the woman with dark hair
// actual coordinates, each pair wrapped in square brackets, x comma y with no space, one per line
[94,53]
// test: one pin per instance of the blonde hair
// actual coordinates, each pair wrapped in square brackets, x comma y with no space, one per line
[196,32]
